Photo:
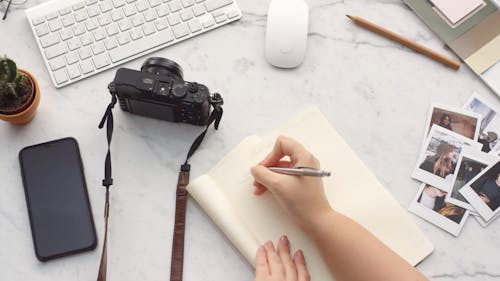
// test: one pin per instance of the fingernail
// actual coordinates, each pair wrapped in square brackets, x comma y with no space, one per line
[300,255]
[269,244]
[284,240]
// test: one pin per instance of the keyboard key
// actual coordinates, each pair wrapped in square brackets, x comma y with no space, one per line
[67,20]
[142,6]
[112,29]
[110,43]
[49,40]
[218,13]
[85,53]
[52,15]
[162,11]
[56,50]
[99,34]
[194,25]
[187,3]
[117,15]
[90,2]
[118,3]
[60,76]
[180,30]
[232,14]
[137,20]
[135,34]
[131,49]
[208,23]
[131,1]
[66,34]
[213,5]
[186,15]
[80,16]
[106,6]
[42,30]
[125,25]
[87,66]
[101,61]
[93,11]
[150,15]
[175,6]
[57,63]
[199,10]
[161,24]
[154,3]
[123,38]
[148,29]
[104,19]
[199,1]
[220,19]
[71,58]
[87,39]
[174,19]
[78,6]
[55,25]
[79,29]
[74,44]
[38,21]
[64,11]
[129,10]
[91,24]
[73,71]
[98,48]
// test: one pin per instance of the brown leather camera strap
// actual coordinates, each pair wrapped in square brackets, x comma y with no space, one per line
[177,261]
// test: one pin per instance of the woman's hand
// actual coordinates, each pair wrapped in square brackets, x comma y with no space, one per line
[278,265]
[302,197]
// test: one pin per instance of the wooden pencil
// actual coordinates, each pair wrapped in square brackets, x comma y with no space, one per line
[405,41]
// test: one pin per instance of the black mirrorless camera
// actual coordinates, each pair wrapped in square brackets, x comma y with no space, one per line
[159,91]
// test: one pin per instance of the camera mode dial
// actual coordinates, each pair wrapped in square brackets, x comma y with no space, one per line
[179,91]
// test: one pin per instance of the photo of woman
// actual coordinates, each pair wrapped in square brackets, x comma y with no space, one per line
[433,198]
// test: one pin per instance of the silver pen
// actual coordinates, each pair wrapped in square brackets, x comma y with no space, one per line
[301,171]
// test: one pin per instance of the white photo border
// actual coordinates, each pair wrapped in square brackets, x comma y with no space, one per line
[434,217]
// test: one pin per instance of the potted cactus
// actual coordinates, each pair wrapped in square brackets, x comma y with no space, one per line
[19,93]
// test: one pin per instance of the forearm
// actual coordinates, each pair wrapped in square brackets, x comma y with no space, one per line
[354,254]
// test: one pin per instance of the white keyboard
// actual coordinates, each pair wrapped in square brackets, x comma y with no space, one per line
[82,38]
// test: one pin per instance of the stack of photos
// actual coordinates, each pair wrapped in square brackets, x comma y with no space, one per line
[459,166]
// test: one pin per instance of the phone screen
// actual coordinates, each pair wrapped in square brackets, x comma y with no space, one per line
[56,196]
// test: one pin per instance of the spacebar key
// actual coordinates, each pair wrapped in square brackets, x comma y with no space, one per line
[144,44]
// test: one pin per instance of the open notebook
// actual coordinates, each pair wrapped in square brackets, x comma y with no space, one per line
[226,194]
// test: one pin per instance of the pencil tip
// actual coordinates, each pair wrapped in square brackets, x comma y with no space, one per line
[349,16]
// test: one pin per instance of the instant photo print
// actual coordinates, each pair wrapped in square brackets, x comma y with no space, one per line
[458,120]
[489,131]
[481,221]
[439,155]
[430,205]
[469,165]
[483,192]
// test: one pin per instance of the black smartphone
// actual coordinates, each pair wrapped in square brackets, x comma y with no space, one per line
[57,199]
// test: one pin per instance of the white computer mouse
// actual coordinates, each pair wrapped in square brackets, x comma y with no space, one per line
[286,32]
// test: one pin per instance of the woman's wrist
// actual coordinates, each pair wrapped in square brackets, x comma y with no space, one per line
[318,220]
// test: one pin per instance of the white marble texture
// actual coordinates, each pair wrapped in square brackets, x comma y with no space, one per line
[375,92]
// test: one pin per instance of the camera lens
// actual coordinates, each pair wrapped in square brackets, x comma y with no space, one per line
[162,67]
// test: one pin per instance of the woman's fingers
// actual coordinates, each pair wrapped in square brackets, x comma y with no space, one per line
[300,264]
[262,271]
[286,259]
[274,261]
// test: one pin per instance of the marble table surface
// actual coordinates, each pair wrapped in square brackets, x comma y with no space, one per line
[375,92]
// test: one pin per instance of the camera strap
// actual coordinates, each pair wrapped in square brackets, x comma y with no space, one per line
[177,260]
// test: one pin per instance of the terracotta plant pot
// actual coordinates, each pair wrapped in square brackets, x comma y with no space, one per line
[30,106]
